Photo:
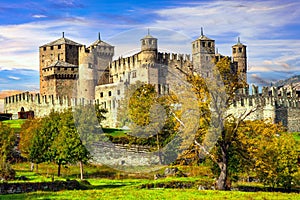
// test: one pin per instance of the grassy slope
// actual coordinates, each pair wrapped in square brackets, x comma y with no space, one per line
[297,136]
[125,186]
[130,192]
[15,124]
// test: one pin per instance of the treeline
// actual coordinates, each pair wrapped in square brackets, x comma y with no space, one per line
[61,137]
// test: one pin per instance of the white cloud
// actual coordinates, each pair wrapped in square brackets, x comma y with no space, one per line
[14,78]
[256,22]
[39,16]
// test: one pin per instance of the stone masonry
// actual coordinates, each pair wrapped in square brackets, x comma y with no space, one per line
[72,74]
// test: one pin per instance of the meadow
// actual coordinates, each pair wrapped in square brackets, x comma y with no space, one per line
[102,182]
[106,183]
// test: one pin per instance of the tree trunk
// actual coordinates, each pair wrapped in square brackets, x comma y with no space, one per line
[222,180]
[81,170]
[37,168]
[31,166]
[158,149]
[58,170]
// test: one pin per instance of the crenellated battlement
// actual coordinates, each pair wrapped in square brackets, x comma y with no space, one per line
[97,50]
[171,57]
[42,105]
[269,96]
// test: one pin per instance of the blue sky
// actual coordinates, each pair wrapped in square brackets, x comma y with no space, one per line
[270,29]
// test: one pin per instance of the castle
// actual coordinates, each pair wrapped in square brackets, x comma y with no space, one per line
[73,74]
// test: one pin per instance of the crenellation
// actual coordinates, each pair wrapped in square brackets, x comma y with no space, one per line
[72,74]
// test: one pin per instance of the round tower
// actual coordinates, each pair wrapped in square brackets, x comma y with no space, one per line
[148,49]
[93,61]
[239,55]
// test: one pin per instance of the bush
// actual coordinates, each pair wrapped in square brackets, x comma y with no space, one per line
[6,172]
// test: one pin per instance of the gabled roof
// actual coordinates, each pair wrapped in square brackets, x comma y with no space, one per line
[60,63]
[101,43]
[62,40]
[203,37]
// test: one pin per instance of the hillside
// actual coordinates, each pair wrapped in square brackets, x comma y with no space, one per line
[4,94]
[295,80]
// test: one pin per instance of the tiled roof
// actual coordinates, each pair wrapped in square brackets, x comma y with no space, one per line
[60,63]
[101,43]
[62,40]
[203,37]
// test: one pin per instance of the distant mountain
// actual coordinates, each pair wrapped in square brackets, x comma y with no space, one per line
[4,94]
[295,80]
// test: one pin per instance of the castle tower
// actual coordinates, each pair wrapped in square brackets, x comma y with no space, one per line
[93,62]
[58,67]
[239,55]
[203,52]
[148,49]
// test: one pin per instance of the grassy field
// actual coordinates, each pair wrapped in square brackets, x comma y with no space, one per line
[297,136]
[15,124]
[115,132]
[107,183]
[121,190]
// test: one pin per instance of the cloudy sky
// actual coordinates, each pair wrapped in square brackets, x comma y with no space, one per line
[270,29]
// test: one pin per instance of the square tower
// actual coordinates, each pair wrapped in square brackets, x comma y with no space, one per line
[58,67]
[203,52]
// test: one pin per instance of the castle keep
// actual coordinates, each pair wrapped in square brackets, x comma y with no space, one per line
[74,74]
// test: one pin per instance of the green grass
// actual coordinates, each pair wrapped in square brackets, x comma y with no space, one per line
[130,192]
[115,132]
[296,135]
[121,185]
[15,124]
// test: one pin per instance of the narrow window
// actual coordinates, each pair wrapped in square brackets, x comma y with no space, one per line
[118,92]
[234,50]
[101,94]
[109,93]
[240,49]
[44,48]
[51,47]
[203,44]
[134,74]
[209,44]
[59,46]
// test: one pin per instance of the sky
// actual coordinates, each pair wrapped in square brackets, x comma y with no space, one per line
[270,29]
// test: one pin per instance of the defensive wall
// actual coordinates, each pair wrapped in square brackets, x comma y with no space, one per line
[41,105]
[272,104]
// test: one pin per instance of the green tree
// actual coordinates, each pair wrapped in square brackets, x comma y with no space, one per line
[67,147]
[28,129]
[272,153]
[216,93]
[44,134]
[7,142]
[149,115]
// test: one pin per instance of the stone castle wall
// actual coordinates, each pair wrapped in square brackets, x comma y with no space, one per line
[41,105]
[273,105]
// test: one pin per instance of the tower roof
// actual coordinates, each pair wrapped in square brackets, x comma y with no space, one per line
[60,63]
[203,37]
[239,43]
[62,40]
[100,42]
[148,36]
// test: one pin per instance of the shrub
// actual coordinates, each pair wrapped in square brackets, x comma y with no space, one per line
[6,172]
